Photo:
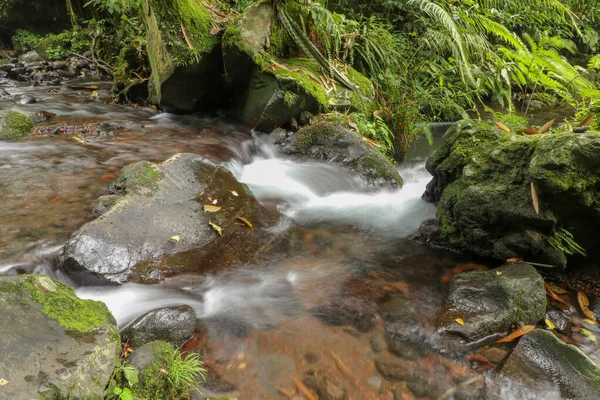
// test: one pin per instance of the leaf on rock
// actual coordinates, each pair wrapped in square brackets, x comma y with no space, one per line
[550,293]
[588,120]
[502,126]
[78,139]
[517,334]
[3,382]
[217,228]
[557,289]
[547,126]
[584,303]
[211,209]
[535,199]
[499,273]
[589,321]
[531,131]
[588,334]
[245,221]
[460,321]
[371,142]
[550,324]
[233,192]
[175,238]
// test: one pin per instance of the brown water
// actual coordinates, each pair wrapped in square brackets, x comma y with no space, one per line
[318,316]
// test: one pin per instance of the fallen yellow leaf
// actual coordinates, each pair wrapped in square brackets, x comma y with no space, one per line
[534,197]
[502,126]
[550,324]
[233,192]
[242,366]
[217,228]
[460,321]
[589,321]
[516,334]
[498,273]
[240,356]
[584,303]
[78,139]
[3,382]
[211,209]
[175,238]
[244,220]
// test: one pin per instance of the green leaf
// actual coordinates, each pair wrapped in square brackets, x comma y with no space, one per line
[126,394]
[131,374]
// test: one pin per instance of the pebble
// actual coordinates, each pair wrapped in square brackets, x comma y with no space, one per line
[27,99]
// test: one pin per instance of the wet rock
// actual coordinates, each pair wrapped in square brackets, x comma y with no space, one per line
[182,82]
[150,359]
[595,306]
[16,72]
[334,144]
[482,180]
[494,355]
[58,65]
[175,325]
[107,127]
[4,94]
[273,368]
[159,226]
[14,125]
[7,67]
[41,116]
[104,203]
[50,78]
[542,357]
[52,344]
[493,301]
[67,73]
[27,99]
[30,56]
[560,320]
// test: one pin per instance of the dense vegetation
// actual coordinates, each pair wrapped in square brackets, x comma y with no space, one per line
[429,60]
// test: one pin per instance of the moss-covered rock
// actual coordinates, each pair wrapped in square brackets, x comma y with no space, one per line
[328,142]
[153,361]
[184,56]
[277,84]
[54,345]
[14,125]
[482,181]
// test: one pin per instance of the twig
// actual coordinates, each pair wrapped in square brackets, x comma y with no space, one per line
[303,389]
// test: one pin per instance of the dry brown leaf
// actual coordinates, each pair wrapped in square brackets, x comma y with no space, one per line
[530,131]
[547,126]
[244,220]
[584,303]
[502,126]
[514,260]
[517,334]
[557,289]
[371,142]
[211,209]
[556,297]
[588,120]
[535,199]
[303,389]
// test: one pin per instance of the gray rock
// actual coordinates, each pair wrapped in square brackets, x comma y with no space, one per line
[4,94]
[58,65]
[175,325]
[489,303]
[7,67]
[27,99]
[52,344]
[159,221]
[66,73]
[560,320]
[15,72]
[41,116]
[334,144]
[542,358]
[104,203]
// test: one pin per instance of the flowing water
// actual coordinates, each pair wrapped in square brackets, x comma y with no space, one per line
[318,315]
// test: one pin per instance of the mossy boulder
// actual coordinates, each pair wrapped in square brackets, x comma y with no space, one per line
[493,301]
[53,344]
[482,182]
[159,226]
[541,360]
[14,125]
[332,143]
[272,81]
[185,57]
[153,361]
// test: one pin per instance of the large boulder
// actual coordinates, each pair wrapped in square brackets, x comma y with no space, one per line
[14,125]
[542,360]
[494,301]
[53,345]
[332,143]
[168,221]
[184,55]
[487,183]
[175,325]
[273,82]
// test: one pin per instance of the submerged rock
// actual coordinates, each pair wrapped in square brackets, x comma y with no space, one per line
[493,301]
[27,99]
[182,80]
[175,325]
[14,125]
[159,225]
[482,182]
[272,84]
[332,143]
[542,359]
[53,345]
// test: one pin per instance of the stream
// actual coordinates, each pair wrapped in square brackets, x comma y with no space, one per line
[320,313]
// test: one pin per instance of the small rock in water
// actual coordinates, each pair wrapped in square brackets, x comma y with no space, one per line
[560,320]
[27,99]
[41,116]
[4,94]
[175,325]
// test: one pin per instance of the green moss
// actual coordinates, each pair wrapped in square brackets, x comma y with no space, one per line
[136,177]
[153,382]
[59,302]
[375,166]
[14,125]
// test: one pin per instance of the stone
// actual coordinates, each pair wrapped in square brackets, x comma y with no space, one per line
[159,226]
[540,358]
[333,144]
[14,125]
[4,94]
[67,73]
[53,344]
[149,360]
[175,325]
[560,320]
[493,301]
[30,56]
[27,99]
[7,67]
[482,180]
[182,81]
